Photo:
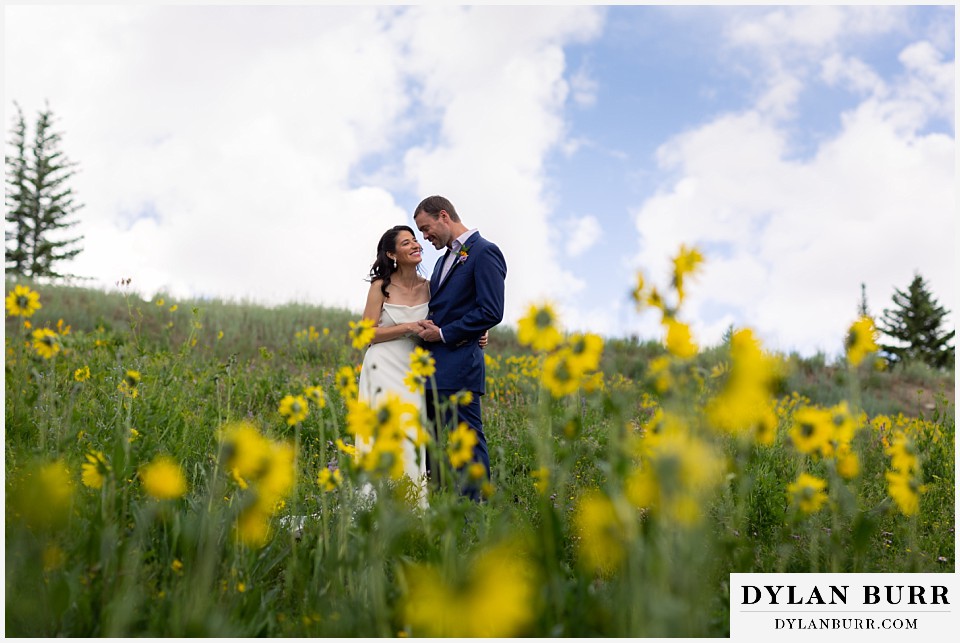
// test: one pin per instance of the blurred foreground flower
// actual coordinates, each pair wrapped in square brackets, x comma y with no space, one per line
[861,340]
[676,475]
[94,471]
[315,395]
[903,479]
[129,385]
[495,599]
[262,468]
[362,333]
[538,329]
[807,493]
[460,445]
[43,494]
[329,480]
[345,382]
[22,302]
[294,409]
[163,479]
[602,533]
[46,342]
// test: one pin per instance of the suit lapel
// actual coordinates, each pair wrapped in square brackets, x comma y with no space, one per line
[456,262]
[435,277]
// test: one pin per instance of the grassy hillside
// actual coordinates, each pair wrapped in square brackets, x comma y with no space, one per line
[178,468]
[249,328]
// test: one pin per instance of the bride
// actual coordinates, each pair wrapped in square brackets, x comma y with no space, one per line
[398,299]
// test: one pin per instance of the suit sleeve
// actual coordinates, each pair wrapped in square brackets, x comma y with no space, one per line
[490,273]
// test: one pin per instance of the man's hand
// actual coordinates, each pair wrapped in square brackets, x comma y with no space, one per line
[429,332]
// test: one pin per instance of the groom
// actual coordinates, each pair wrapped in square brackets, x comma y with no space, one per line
[466,299]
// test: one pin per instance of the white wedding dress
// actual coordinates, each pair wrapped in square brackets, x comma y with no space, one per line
[385,365]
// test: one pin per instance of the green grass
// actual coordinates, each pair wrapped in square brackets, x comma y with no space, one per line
[116,562]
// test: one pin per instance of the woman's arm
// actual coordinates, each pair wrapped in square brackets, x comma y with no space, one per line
[372,311]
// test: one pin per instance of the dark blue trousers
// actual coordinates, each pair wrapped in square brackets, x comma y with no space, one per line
[472,416]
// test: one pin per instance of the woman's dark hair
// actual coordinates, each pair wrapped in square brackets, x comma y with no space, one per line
[383,268]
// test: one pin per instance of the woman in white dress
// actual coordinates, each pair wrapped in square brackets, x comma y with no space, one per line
[398,299]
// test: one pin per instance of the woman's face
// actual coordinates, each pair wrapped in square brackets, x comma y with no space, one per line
[407,250]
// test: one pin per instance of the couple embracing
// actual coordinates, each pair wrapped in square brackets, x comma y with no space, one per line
[449,315]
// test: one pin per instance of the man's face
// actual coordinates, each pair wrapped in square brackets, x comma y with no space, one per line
[435,231]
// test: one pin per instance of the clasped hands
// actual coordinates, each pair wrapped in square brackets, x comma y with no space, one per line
[429,332]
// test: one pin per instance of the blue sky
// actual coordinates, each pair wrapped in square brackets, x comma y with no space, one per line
[257,152]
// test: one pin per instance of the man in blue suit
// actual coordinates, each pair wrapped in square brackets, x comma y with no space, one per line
[466,300]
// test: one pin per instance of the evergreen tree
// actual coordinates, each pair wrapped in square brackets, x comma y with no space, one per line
[40,204]
[915,325]
[862,309]
[17,197]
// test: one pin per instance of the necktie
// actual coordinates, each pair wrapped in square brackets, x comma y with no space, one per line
[448,262]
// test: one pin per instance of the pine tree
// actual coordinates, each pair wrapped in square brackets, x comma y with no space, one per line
[862,309]
[17,197]
[915,324]
[40,204]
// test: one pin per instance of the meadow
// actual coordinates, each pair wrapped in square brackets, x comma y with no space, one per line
[187,468]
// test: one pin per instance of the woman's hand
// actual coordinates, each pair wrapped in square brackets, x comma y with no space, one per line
[484,339]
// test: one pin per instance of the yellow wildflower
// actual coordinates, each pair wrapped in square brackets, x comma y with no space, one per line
[163,479]
[861,340]
[602,534]
[812,431]
[538,329]
[253,527]
[460,445]
[495,599]
[131,380]
[687,262]
[348,449]
[585,350]
[679,471]
[46,342]
[422,362]
[638,292]
[315,395]
[345,381]
[807,493]
[94,471]
[462,398]
[362,333]
[361,419]
[294,409]
[246,453]
[679,340]
[82,374]
[22,302]
[329,480]
[560,374]
[905,490]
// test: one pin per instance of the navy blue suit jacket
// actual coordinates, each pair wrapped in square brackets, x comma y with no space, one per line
[465,305]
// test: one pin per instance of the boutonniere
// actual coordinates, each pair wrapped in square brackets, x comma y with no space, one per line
[463,254]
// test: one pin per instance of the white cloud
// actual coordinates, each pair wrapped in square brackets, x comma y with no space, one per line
[790,43]
[245,130]
[788,242]
[581,235]
[805,29]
